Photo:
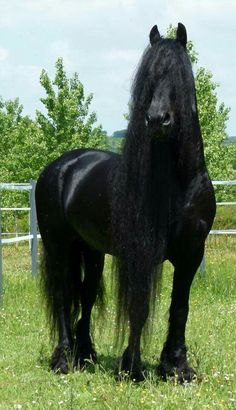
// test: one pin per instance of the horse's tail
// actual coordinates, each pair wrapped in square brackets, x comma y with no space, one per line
[62,276]
[61,279]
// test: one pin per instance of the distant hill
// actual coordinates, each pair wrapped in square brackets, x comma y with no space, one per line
[119,134]
[230,140]
[122,133]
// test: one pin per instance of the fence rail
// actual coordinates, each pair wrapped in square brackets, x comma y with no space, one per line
[223,232]
[15,186]
[232,182]
[19,239]
[33,235]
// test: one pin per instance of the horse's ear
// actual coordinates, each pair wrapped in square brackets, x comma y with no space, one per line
[181,34]
[154,35]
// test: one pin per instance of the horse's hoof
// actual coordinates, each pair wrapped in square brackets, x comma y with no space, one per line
[181,375]
[60,367]
[186,375]
[130,369]
[134,376]
[83,359]
[60,360]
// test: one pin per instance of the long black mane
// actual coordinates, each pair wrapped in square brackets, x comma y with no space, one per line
[141,203]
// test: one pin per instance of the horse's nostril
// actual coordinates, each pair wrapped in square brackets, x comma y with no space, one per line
[147,119]
[166,119]
[163,120]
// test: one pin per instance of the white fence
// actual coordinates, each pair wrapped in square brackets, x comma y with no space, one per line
[224,231]
[33,236]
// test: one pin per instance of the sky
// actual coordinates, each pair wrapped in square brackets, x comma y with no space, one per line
[103,41]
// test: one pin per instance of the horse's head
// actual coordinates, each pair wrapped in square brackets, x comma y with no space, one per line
[164,87]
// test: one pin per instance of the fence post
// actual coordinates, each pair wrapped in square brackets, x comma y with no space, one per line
[33,228]
[1,274]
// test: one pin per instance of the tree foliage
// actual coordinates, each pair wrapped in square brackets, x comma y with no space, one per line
[26,146]
[20,144]
[67,123]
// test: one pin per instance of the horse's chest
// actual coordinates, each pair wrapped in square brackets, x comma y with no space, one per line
[189,218]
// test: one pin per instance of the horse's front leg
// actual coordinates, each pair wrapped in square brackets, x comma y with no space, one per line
[131,362]
[174,354]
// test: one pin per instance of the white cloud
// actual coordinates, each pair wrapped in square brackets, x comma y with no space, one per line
[63,49]
[3,54]
[128,55]
[29,74]
[70,6]
[21,77]
[14,12]
[207,9]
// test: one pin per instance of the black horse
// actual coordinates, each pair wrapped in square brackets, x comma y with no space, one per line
[153,202]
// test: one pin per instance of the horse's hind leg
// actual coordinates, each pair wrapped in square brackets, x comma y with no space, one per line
[93,268]
[62,354]
[57,289]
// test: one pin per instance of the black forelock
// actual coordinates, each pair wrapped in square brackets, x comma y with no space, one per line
[165,58]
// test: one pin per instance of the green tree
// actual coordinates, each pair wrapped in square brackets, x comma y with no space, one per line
[21,144]
[67,124]
[24,159]
[213,118]
[21,147]
[26,146]
[10,116]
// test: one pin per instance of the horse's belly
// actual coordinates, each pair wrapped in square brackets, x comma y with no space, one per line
[93,230]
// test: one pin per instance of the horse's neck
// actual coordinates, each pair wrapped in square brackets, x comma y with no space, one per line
[191,160]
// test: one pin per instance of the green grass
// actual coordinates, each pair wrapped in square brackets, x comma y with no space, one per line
[27,383]
[225,217]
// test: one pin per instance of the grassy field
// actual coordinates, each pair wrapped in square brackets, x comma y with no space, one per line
[25,347]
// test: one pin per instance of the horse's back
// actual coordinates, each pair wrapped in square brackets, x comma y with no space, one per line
[75,191]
